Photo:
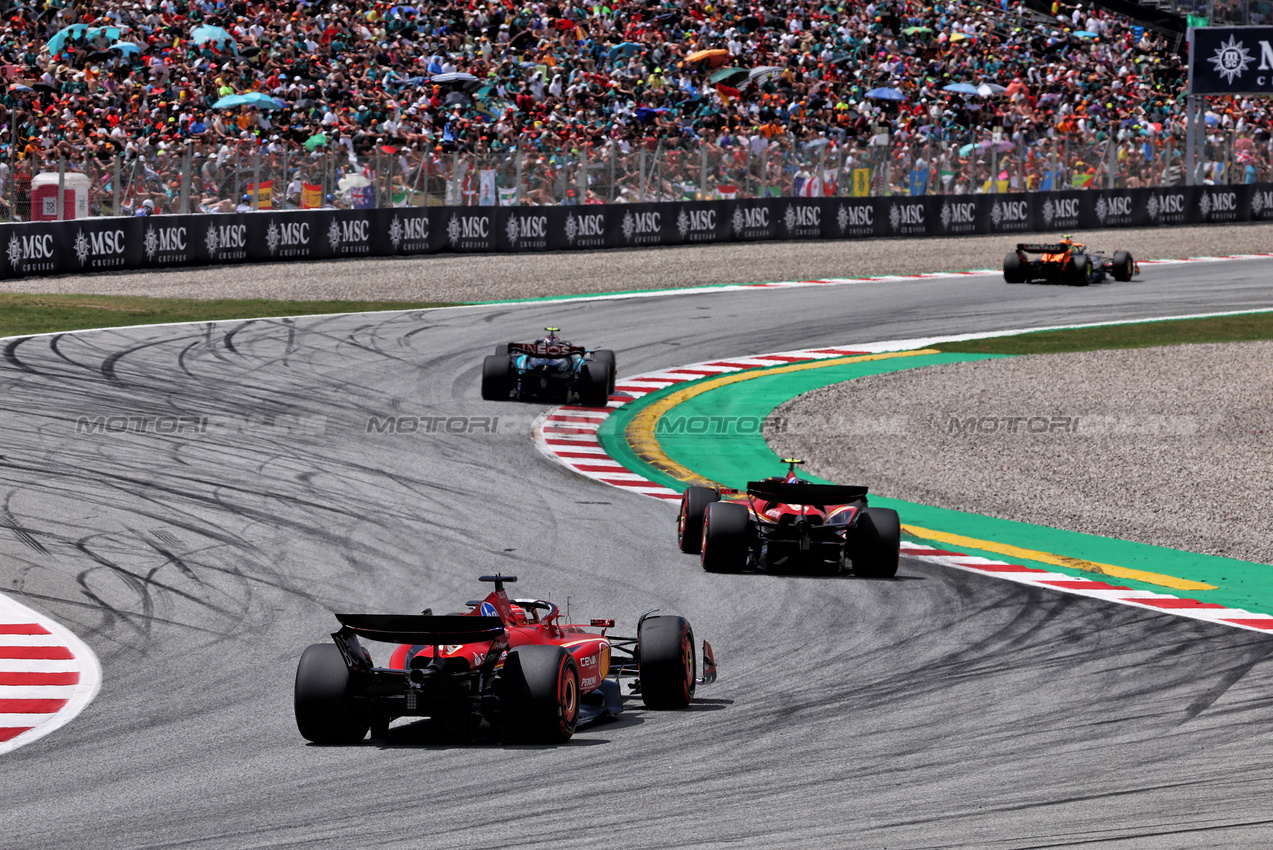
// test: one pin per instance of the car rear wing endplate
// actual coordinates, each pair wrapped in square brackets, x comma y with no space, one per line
[802,493]
[422,629]
[1043,248]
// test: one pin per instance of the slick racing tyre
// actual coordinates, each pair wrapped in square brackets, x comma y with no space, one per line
[497,373]
[326,713]
[1122,267]
[501,350]
[876,543]
[1078,271]
[594,385]
[724,538]
[689,523]
[540,699]
[606,357]
[1013,268]
[665,662]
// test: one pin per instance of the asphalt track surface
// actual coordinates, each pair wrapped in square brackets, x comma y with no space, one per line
[937,709]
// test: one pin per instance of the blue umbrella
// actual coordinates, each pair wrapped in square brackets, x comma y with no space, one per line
[625,49]
[125,47]
[961,88]
[249,98]
[1085,34]
[77,30]
[886,94]
[206,32]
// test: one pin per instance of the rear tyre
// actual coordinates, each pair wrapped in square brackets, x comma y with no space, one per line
[1013,268]
[501,350]
[497,374]
[326,712]
[724,537]
[665,662]
[606,357]
[689,524]
[1079,270]
[594,388]
[1122,266]
[876,544]
[540,699]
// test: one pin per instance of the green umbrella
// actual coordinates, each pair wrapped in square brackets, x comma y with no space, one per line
[315,140]
[726,75]
[913,30]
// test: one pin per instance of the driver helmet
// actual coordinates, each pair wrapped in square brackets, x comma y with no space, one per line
[519,615]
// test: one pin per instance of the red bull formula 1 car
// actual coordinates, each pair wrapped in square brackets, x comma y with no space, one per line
[1067,262]
[549,368]
[784,524]
[510,668]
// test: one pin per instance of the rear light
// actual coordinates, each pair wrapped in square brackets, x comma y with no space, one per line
[602,624]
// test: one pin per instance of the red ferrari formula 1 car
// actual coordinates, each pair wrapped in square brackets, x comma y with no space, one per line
[789,525]
[508,668]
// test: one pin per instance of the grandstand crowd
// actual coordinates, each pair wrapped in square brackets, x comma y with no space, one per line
[360,79]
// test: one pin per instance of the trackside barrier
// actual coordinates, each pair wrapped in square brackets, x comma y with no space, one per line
[108,244]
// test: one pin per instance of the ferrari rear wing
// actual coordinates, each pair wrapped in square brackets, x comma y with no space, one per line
[1043,248]
[802,493]
[422,628]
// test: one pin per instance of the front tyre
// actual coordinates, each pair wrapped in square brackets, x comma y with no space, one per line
[1013,268]
[1122,267]
[877,543]
[665,662]
[689,523]
[724,538]
[540,699]
[326,712]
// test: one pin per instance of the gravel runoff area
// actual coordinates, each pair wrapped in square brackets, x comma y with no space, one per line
[491,277]
[1168,446]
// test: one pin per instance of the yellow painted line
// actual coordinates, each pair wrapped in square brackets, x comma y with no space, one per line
[640,435]
[1017,552]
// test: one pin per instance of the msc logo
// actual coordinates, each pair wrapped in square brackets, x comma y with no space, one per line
[30,252]
[588,229]
[288,235]
[413,231]
[799,216]
[530,229]
[751,218]
[1165,206]
[100,249]
[643,226]
[1009,213]
[351,235]
[958,214]
[227,241]
[1119,206]
[462,228]
[698,225]
[906,218]
[165,242]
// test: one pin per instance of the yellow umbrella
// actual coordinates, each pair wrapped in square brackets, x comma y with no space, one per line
[713,58]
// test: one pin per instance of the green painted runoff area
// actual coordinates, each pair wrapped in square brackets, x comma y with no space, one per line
[702,434]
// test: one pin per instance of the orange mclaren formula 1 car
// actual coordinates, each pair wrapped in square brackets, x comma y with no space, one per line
[1066,262]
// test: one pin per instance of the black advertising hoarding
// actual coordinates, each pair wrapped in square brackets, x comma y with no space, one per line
[112,244]
[1231,60]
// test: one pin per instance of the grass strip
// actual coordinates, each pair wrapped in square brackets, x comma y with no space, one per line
[1246,327]
[22,314]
